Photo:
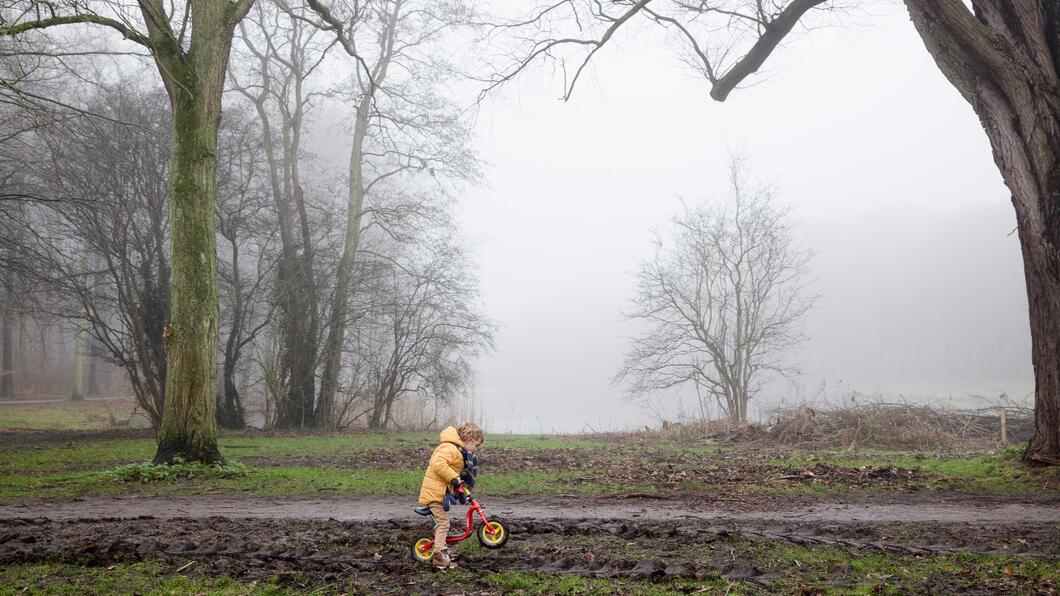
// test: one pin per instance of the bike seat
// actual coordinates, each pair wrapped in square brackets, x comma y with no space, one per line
[425,510]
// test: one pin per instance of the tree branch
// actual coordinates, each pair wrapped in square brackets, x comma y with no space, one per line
[775,32]
[126,31]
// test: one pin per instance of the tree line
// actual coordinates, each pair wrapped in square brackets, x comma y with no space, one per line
[1002,57]
[336,305]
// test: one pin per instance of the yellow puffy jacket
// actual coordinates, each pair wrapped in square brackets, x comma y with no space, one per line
[446,463]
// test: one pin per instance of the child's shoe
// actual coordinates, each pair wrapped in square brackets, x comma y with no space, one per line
[441,561]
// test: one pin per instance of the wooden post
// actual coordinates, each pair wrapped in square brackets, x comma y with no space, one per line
[1004,428]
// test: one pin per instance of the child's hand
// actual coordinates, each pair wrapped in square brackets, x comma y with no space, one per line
[455,482]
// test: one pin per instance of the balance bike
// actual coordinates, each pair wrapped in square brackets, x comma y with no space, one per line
[492,533]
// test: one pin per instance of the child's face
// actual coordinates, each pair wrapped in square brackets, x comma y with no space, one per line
[471,445]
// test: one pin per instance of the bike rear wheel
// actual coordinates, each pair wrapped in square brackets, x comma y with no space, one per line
[417,551]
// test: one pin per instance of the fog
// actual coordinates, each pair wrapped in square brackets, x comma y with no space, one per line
[887,169]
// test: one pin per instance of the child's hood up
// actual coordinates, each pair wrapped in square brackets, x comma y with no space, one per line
[449,435]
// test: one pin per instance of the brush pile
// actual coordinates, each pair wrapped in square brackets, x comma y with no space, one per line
[879,424]
[897,425]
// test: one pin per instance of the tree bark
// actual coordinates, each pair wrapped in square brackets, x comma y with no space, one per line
[1005,60]
[194,81]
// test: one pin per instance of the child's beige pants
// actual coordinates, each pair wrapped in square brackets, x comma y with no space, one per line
[441,530]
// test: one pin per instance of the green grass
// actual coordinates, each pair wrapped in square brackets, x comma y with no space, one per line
[148,578]
[83,455]
[995,472]
[283,481]
[92,454]
[62,471]
[65,415]
[510,582]
[893,574]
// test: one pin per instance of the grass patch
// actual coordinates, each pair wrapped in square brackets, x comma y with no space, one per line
[65,470]
[147,480]
[516,582]
[92,454]
[994,472]
[892,574]
[148,472]
[147,577]
[83,455]
[65,415]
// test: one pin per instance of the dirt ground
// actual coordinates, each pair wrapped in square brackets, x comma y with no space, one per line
[373,555]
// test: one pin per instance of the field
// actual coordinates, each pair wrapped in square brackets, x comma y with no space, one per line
[632,513]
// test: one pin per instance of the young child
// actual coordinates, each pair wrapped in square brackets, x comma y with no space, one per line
[441,479]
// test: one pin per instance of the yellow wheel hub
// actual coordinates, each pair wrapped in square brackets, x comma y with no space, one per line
[420,553]
[496,536]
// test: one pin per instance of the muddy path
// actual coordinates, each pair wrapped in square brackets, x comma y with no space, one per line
[957,509]
[372,557]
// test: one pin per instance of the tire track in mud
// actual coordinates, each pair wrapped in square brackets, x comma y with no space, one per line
[333,549]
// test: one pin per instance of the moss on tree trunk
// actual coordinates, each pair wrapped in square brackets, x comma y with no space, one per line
[189,427]
[194,80]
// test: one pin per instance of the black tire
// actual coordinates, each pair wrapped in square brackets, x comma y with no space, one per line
[492,541]
[414,550]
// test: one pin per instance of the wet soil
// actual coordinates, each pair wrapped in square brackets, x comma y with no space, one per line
[934,508]
[373,557]
[669,470]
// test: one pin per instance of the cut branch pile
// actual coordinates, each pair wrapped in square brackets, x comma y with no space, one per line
[896,425]
[873,424]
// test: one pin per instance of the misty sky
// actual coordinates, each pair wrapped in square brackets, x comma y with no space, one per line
[893,185]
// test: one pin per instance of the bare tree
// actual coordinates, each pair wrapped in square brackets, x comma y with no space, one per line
[722,301]
[283,51]
[1002,56]
[404,127]
[190,44]
[416,325]
[244,257]
[102,225]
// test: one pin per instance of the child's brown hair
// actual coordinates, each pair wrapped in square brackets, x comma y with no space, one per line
[471,431]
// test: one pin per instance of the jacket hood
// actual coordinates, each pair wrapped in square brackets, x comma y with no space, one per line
[449,435]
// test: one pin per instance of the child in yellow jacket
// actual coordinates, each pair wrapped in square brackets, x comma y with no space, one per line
[442,476]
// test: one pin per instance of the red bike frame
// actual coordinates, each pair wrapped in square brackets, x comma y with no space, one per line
[472,509]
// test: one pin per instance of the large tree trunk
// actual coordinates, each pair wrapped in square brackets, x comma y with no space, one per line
[1041,262]
[194,81]
[1005,60]
[188,425]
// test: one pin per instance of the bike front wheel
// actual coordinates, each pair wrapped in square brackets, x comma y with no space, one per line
[493,534]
